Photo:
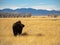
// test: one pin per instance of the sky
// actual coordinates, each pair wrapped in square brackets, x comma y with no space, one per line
[36,4]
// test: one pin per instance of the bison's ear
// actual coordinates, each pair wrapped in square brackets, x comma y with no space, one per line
[23,25]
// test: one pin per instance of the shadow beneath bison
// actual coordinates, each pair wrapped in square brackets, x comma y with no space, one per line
[26,34]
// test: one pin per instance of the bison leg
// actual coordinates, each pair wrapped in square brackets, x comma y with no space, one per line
[15,33]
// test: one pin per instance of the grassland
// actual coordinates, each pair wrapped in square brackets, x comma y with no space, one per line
[41,30]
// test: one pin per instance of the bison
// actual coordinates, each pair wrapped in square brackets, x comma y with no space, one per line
[17,28]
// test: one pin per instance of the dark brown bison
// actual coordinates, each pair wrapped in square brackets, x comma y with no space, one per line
[17,28]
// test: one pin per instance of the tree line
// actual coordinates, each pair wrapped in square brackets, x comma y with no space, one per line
[14,14]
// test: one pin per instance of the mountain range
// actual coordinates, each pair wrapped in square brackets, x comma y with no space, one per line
[32,11]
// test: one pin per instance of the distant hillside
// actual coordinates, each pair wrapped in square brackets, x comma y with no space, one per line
[32,11]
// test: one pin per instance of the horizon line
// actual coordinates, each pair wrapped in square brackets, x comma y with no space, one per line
[28,8]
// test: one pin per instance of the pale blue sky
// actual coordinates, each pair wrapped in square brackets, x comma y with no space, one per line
[36,4]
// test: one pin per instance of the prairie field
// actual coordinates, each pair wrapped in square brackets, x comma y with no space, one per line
[40,30]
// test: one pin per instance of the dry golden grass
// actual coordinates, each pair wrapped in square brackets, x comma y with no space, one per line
[41,31]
